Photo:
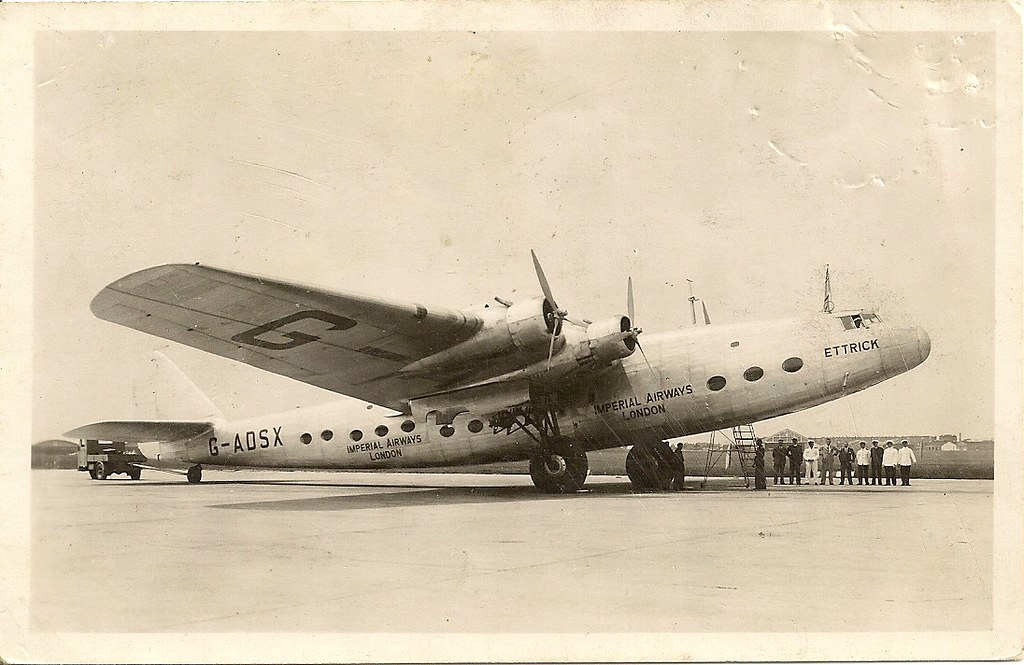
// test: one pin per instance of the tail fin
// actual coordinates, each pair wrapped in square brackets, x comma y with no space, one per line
[176,396]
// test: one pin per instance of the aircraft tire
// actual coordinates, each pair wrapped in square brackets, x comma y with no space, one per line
[101,471]
[194,474]
[134,472]
[92,472]
[649,466]
[563,470]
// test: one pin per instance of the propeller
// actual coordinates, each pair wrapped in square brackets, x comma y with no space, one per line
[559,315]
[634,330]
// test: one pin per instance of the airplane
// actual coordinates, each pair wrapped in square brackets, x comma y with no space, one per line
[503,381]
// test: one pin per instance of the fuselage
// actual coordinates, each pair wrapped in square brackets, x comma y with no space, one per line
[693,380]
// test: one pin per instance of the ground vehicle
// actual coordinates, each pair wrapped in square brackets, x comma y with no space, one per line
[105,458]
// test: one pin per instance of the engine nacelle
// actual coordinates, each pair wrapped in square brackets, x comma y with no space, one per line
[530,324]
[524,327]
[610,340]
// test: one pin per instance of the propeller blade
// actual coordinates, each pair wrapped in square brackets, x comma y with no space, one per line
[629,301]
[707,319]
[645,357]
[543,280]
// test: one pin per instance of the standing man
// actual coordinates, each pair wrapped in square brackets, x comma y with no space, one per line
[906,458]
[863,459]
[889,458]
[811,461]
[796,462]
[680,468]
[846,459]
[779,463]
[828,462]
[876,463]
[759,481]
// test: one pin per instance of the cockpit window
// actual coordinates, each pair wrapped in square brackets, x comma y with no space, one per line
[855,320]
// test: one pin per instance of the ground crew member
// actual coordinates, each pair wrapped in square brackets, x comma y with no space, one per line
[828,459]
[906,458]
[876,463]
[779,462]
[680,467]
[889,458]
[811,461]
[796,462]
[846,459]
[759,483]
[863,459]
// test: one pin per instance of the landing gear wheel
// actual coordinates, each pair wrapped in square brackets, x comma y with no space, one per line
[562,469]
[92,472]
[650,467]
[100,468]
[134,472]
[194,474]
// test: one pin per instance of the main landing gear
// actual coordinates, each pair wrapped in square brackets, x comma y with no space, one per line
[194,474]
[650,466]
[560,466]
[562,469]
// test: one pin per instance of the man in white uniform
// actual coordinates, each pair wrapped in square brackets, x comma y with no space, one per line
[889,459]
[906,458]
[811,461]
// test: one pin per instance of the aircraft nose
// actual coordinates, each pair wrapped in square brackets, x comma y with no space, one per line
[924,343]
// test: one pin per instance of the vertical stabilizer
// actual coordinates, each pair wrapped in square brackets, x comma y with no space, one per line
[176,396]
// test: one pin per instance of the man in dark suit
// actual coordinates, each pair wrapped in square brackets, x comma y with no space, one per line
[846,460]
[876,463]
[796,462]
[780,453]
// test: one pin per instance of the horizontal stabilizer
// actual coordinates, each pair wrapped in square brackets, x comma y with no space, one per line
[139,431]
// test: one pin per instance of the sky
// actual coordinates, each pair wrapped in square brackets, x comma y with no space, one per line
[424,167]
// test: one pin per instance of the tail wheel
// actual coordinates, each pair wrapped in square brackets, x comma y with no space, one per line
[194,474]
[562,469]
[650,466]
[100,469]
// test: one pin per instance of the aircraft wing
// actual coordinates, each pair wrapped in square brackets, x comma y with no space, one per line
[346,343]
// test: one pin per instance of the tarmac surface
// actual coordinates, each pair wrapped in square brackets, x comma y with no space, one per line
[393,552]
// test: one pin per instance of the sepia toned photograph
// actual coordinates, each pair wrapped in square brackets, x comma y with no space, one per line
[368,332]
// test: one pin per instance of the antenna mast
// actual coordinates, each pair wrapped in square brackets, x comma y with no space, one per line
[828,305]
[693,302]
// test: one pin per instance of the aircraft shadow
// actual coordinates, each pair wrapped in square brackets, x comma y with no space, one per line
[423,496]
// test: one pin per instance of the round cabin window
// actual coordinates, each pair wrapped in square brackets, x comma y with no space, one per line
[355,435]
[408,426]
[753,374]
[447,430]
[716,383]
[327,435]
[306,438]
[475,426]
[382,430]
[792,364]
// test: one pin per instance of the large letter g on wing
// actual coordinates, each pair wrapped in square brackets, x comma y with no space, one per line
[251,337]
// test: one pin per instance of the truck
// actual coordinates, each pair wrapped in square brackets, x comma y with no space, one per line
[103,459]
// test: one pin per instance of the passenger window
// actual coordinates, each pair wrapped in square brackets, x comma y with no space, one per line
[753,374]
[408,426]
[306,438]
[327,435]
[382,430]
[355,435]
[792,364]
[447,430]
[475,426]
[716,383]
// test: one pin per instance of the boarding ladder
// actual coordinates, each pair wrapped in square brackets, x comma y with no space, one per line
[740,448]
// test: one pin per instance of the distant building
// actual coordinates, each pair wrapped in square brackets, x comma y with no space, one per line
[55,454]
